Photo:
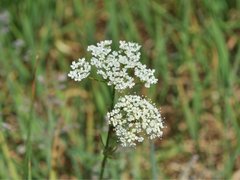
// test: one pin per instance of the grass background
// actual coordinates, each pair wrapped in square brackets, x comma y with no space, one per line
[194,47]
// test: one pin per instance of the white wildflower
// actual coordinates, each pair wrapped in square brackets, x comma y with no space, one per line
[116,66]
[133,118]
[80,69]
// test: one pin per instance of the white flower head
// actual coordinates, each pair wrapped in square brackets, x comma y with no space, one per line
[134,118]
[116,66]
[80,70]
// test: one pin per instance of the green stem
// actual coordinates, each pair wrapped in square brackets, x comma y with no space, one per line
[106,148]
[153,161]
[28,164]
[95,79]
[105,152]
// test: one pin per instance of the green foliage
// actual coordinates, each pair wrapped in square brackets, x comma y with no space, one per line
[194,47]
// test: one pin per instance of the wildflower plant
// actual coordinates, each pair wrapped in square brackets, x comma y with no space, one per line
[132,118]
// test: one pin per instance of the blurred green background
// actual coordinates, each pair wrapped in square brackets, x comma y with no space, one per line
[194,47]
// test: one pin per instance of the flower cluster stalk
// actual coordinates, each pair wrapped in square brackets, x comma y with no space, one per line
[110,132]
[105,155]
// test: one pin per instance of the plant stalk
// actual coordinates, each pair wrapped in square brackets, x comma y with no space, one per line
[106,148]
[28,163]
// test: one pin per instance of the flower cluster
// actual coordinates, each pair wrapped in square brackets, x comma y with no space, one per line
[133,118]
[116,67]
[80,69]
